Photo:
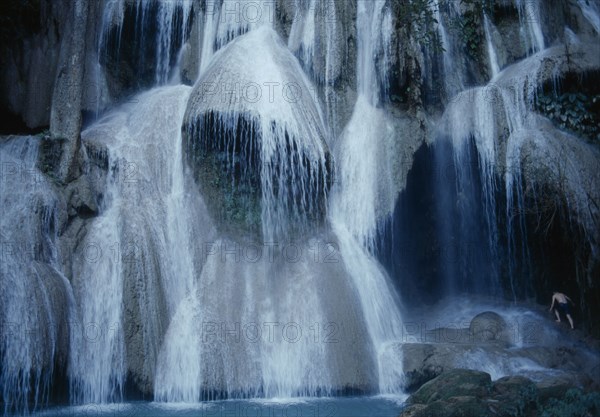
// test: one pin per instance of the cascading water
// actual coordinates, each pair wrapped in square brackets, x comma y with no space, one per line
[504,108]
[227,19]
[490,46]
[222,263]
[36,298]
[129,250]
[453,72]
[354,210]
[160,28]
[317,39]
[473,121]
[281,140]
[531,28]
[591,11]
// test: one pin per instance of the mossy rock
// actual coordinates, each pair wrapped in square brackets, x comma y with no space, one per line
[516,395]
[454,383]
[460,406]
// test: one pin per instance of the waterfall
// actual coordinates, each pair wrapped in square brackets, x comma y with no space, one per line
[531,27]
[36,298]
[168,22]
[304,32]
[453,72]
[504,108]
[490,47]
[226,20]
[234,251]
[314,39]
[139,246]
[354,208]
[265,340]
[358,171]
[591,11]
[170,27]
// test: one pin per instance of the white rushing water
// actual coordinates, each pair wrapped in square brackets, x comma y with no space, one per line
[492,56]
[36,298]
[505,109]
[140,243]
[160,295]
[316,38]
[225,20]
[452,59]
[591,11]
[356,151]
[267,340]
[531,24]
[354,203]
[172,22]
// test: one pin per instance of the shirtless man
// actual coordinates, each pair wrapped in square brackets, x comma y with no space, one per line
[563,305]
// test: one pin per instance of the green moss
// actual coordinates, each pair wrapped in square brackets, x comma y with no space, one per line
[417,18]
[574,404]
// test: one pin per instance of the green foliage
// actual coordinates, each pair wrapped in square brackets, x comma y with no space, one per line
[577,112]
[573,404]
[470,23]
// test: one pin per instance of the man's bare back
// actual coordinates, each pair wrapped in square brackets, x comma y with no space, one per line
[563,303]
[560,297]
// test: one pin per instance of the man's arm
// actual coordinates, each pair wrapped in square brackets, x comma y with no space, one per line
[567,297]
[553,299]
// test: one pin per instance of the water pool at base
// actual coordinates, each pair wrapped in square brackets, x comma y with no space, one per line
[379,406]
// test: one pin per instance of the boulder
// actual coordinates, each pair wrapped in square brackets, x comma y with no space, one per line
[454,383]
[470,393]
[555,387]
[464,406]
[489,327]
[515,394]
[423,361]
[255,141]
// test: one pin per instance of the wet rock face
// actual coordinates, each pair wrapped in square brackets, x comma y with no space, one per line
[254,139]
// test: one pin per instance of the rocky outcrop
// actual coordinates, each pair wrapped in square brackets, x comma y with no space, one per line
[65,115]
[472,394]
[254,138]
[490,345]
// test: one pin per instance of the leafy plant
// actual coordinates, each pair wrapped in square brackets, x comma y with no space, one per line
[470,22]
[574,404]
[573,111]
